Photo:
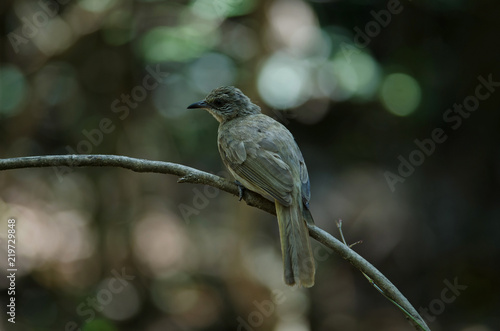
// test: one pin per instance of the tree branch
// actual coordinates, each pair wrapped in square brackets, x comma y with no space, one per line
[191,175]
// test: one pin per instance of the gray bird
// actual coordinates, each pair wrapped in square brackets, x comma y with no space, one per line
[263,157]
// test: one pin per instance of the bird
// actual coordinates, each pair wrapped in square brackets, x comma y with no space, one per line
[263,156]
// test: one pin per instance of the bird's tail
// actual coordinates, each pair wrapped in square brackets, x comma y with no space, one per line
[298,261]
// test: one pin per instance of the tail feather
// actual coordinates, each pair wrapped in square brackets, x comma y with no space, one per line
[298,261]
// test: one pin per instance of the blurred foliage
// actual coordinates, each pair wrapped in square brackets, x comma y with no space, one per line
[361,84]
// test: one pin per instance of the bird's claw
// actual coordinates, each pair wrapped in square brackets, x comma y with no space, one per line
[241,190]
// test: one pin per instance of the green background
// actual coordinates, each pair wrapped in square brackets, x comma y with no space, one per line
[360,84]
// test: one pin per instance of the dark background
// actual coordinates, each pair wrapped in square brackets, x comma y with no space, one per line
[75,77]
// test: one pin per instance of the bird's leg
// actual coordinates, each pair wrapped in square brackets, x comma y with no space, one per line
[241,189]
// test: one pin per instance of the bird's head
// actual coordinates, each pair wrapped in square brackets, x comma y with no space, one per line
[226,103]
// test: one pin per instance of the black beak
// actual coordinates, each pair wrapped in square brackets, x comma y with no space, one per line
[199,104]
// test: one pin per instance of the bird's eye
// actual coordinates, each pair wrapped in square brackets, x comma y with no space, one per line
[218,103]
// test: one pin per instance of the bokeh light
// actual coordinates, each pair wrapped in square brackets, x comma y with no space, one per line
[356,76]
[241,43]
[400,94]
[193,304]
[45,39]
[117,30]
[212,70]
[159,243]
[97,5]
[124,301]
[13,90]
[294,28]
[180,43]
[219,10]
[284,81]
[52,239]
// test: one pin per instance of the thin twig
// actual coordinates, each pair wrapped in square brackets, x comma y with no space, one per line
[414,320]
[191,175]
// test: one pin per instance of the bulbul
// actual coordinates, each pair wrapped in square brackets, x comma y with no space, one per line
[263,157]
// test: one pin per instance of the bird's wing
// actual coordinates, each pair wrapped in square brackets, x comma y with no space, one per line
[304,178]
[285,146]
[265,162]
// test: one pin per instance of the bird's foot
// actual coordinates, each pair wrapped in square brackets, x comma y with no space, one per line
[241,189]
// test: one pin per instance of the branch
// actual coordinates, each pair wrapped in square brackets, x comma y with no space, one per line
[191,175]
[63,163]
